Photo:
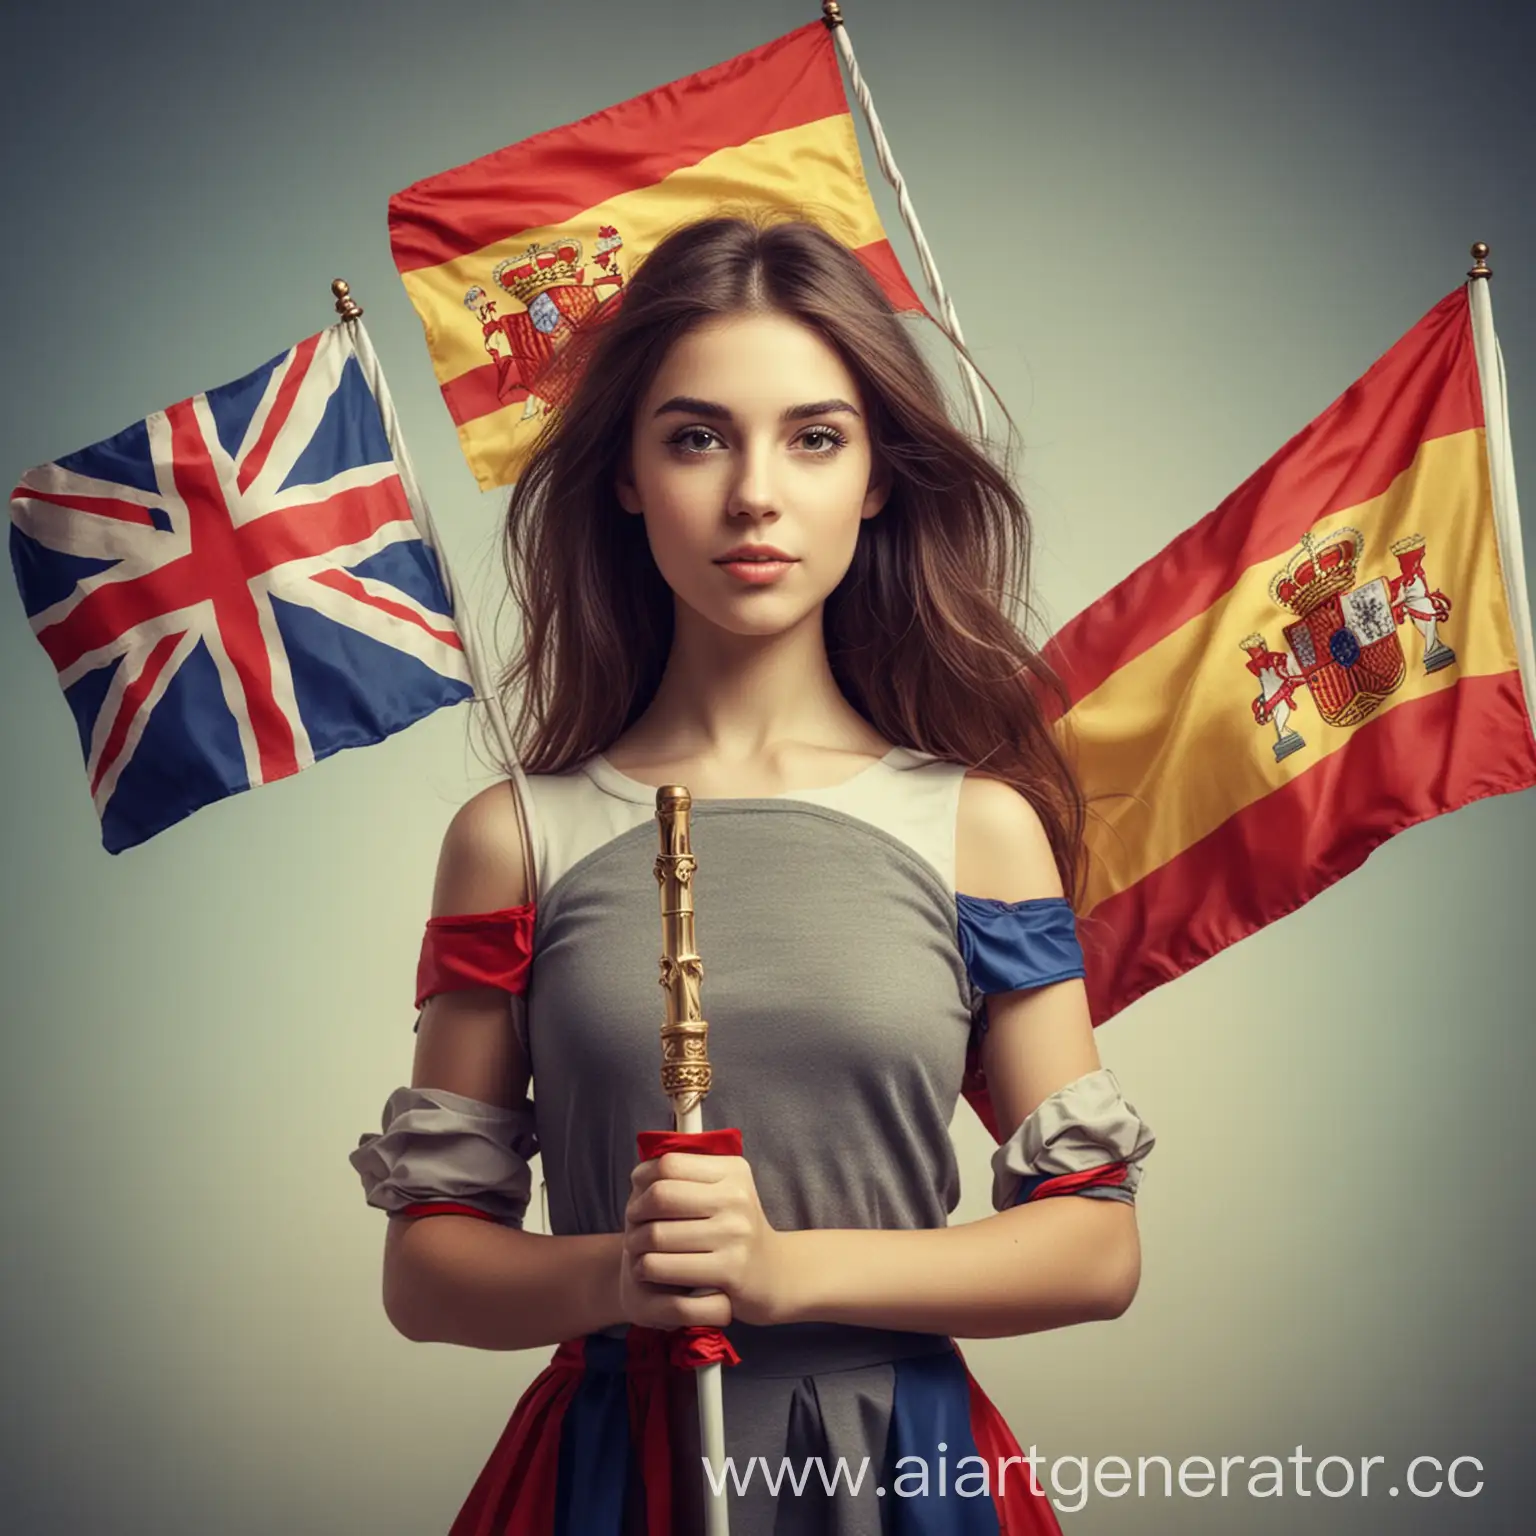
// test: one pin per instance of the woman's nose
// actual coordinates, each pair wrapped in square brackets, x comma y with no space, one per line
[752,491]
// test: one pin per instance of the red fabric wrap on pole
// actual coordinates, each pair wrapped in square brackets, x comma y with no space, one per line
[693,1347]
[722,1143]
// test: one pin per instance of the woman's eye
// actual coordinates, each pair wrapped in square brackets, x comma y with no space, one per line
[694,442]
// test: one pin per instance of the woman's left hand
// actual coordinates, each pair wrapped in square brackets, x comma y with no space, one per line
[695,1220]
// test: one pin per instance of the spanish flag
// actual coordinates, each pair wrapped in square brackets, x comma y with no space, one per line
[504,258]
[1332,655]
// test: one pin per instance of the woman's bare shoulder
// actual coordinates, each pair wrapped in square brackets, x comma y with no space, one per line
[1001,846]
[480,867]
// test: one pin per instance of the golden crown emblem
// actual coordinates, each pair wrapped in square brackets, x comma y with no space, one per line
[1402,546]
[1320,569]
[539,268]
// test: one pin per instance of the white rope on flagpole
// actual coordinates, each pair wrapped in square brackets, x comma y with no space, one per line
[484,693]
[833,17]
[1501,470]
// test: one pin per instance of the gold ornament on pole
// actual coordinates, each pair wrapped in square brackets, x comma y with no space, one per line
[685,1072]
[346,306]
[1480,256]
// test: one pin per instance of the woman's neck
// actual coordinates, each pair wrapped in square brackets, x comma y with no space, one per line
[729,698]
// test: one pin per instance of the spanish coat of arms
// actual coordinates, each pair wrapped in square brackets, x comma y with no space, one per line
[550,283]
[1344,645]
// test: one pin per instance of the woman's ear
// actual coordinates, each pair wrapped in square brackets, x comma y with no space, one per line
[879,489]
[624,486]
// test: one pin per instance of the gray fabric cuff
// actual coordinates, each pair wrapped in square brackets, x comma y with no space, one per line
[1084,1124]
[437,1145]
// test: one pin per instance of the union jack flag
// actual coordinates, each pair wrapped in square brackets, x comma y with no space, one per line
[235,588]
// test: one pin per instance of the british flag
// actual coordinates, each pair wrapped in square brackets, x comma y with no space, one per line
[235,588]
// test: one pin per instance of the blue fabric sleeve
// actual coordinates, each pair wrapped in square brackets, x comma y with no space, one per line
[1010,945]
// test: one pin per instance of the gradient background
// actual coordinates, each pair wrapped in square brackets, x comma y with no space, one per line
[1173,233]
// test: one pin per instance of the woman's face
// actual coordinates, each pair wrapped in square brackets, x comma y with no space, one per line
[751,434]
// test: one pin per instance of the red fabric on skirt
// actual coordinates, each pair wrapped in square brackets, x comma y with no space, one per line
[515,1492]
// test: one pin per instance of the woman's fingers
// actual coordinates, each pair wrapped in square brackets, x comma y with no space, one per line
[676,1311]
[688,1269]
[678,1199]
[661,1306]
[705,1235]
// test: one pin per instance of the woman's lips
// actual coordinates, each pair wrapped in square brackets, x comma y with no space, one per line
[755,573]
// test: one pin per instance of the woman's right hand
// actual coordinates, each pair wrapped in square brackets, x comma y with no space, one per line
[668,1306]
[663,1306]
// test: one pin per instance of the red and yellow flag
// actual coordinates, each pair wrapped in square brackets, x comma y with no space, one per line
[504,258]
[1327,658]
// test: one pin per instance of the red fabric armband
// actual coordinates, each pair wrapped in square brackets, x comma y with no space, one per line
[1070,1183]
[444,1208]
[476,949]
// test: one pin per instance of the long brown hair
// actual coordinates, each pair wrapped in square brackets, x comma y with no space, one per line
[918,633]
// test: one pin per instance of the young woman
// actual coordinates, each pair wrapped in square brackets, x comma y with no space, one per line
[754,556]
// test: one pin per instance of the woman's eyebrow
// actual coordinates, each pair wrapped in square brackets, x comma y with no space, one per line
[690,405]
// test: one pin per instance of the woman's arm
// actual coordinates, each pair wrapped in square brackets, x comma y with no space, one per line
[1066,1259]
[1044,1265]
[457,1279]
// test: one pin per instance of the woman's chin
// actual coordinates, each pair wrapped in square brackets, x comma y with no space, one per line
[760,615]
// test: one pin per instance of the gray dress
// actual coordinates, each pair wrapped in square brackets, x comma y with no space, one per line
[840,1007]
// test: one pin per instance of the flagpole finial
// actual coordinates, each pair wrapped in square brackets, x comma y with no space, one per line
[346,306]
[831,14]
[1480,256]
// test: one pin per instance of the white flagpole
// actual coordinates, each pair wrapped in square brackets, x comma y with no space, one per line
[1501,468]
[711,1394]
[351,313]
[832,16]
